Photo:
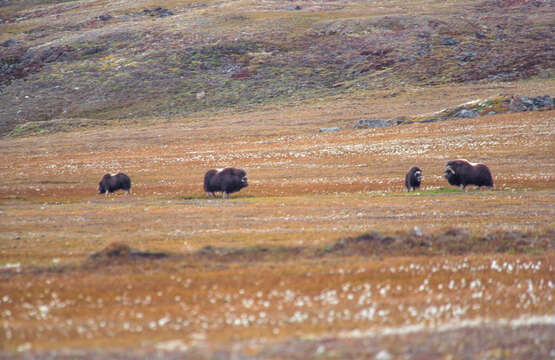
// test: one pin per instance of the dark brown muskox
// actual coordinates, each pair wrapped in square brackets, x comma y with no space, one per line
[227,181]
[413,178]
[462,173]
[110,183]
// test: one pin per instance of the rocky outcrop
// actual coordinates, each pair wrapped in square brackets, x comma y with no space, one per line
[471,109]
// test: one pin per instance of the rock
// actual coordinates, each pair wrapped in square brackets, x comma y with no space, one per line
[423,49]
[447,41]
[432,120]
[543,101]
[371,124]
[521,103]
[524,103]
[467,113]
[332,129]
[8,43]
[159,12]
[399,120]
[105,17]
[466,57]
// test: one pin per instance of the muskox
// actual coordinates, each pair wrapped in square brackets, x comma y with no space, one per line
[413,178]
[462,173]
[110,183]
[227,181]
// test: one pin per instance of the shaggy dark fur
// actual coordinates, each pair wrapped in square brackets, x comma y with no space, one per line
[110,183]
[413,178]
[462,173]
[227,181]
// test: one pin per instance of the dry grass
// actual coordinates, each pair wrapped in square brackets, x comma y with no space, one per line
[117,307]
[307,189]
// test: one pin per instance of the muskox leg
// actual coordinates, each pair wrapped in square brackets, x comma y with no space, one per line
[128,192]
[225,195]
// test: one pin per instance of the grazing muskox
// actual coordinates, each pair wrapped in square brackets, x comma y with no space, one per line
[227,181]
[110,183]
[413,178]
[462,173]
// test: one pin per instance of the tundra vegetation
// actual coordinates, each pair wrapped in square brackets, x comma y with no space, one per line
[323,255]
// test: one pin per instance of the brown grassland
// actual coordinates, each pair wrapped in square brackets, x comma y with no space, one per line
[307,189]
[324,254]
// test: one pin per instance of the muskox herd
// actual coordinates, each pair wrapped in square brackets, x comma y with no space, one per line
[226,181]
[457,172]
[229,180]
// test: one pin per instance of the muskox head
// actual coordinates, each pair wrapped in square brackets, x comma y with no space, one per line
[418,175]
[244,181]
[104,184]
[449,173]
[458,170]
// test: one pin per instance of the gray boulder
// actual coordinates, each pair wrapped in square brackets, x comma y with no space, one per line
[105,17]
[8,43]
[542,101]
[447,41]
[332,129]
[467,113]
[372,124]
[524,103]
